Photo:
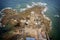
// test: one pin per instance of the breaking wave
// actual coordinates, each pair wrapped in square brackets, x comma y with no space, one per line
[28,6]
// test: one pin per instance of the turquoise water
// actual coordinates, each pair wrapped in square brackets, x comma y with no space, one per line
[53,11]
[28,38]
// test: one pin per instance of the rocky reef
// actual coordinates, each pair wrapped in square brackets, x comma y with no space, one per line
[31,22]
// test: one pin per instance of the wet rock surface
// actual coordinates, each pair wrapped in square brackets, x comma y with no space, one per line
[29,23]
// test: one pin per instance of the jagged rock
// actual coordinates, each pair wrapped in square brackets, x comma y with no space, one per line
[29,23]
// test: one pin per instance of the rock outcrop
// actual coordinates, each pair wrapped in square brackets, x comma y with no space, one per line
[29,23]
